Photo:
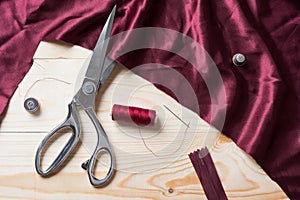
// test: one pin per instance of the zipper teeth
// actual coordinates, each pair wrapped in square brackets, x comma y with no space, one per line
[202,164]
[211,183]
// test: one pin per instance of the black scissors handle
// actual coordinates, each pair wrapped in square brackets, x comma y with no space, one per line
[70,122]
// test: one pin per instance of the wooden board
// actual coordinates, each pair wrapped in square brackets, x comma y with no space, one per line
[150,161]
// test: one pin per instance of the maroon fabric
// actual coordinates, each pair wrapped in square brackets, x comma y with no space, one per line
[262,98]
[207,174]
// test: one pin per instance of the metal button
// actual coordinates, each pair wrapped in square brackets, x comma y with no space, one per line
[239,59]
[31,105]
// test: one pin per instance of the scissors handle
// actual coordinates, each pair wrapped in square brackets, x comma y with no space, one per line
[72,122]
[102,145]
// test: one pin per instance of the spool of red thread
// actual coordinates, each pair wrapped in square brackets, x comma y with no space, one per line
[131,114]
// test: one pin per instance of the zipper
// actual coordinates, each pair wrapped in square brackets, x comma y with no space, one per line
[207,174]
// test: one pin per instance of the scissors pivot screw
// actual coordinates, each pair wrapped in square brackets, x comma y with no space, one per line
[89,87]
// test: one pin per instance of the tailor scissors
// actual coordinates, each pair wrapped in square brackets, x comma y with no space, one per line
[98,70]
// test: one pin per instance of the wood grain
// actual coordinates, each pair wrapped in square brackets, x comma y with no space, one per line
[141,174]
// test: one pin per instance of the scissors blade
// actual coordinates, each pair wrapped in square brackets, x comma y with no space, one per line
[96,65]
[109,65]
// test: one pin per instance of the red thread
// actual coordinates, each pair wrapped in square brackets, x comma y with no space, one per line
[130,114]
[169,154]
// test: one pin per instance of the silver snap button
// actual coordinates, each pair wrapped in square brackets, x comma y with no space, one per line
[239,59]
[31,105]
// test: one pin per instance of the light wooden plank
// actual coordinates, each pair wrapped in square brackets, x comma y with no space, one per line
[140,174]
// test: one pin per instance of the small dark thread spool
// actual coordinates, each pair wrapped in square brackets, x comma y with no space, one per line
[130,114]
[31,105]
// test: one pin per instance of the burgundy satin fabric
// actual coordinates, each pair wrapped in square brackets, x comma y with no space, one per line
[262,98]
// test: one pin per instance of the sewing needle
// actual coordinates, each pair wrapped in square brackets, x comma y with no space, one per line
[177,116]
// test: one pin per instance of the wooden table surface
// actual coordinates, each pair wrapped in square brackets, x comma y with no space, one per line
[152,163]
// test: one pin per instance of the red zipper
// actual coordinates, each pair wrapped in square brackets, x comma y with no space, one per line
[207,174]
